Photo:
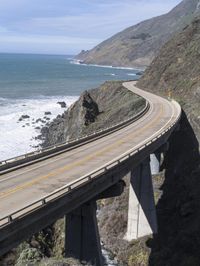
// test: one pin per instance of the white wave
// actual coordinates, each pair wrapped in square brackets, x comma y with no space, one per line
[75,62]
[18,137]
[79,62]
[131,74]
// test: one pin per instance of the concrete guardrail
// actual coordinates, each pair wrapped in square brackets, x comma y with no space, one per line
[40,155]
[88,178]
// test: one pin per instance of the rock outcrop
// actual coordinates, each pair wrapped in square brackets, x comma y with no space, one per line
[90,108]
[96,109]
[62,104]
[23,117]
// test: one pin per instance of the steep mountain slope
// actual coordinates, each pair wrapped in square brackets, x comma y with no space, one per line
[138,45]
[176,70]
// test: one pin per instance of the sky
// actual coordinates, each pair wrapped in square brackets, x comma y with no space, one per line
[68,26]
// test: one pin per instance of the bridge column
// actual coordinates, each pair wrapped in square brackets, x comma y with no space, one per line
[141,213]
[82,236]
[155,159]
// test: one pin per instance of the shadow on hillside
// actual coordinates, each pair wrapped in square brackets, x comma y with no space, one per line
[178,210]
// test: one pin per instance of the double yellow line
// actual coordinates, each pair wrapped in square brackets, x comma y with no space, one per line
[8,192]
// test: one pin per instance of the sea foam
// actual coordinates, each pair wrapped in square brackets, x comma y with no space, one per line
[18,137]
[78,62]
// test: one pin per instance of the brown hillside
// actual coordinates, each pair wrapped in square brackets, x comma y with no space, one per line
[177,69]
[137,46]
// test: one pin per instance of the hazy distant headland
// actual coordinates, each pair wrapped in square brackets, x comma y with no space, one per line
[138,45]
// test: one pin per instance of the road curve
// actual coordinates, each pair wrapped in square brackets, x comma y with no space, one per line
[24,186]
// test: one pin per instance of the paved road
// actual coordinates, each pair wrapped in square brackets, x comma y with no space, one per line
[23,186]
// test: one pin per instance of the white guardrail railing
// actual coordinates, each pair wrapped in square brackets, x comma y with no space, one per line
[87,178]
[61,147]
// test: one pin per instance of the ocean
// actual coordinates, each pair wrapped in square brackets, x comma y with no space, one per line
[32,85]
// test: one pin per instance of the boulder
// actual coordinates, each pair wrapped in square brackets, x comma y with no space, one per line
[38,120]
[47,113]
[91,108]
[24,117]
[62,104]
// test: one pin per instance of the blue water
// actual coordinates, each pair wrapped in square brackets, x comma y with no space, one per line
[29,76]
[32,85]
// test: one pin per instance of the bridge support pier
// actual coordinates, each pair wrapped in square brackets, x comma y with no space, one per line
[82,239]
[142,219]
[155,159]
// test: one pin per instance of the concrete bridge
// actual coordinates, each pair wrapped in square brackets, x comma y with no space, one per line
[37,189]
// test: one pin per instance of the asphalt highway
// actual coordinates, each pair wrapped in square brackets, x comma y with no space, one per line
[21,187]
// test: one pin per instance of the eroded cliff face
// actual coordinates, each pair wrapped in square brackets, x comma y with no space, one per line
[96,109]
[176,71]
[138,45]
[176,188]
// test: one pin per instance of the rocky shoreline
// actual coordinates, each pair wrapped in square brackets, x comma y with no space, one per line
[38,124]
[96,109]
[174,71]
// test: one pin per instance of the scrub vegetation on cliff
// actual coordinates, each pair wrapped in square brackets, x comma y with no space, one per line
[96,109]
[176,71]
[137,46]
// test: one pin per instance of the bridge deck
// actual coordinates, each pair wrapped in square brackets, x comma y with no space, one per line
[28,184]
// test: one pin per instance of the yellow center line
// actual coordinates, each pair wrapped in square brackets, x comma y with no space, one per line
[78,163]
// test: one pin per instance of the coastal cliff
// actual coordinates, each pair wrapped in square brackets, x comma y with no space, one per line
[138,45]
[96,109]
[174,72]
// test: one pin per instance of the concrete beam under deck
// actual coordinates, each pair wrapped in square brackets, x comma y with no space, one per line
[32,222]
